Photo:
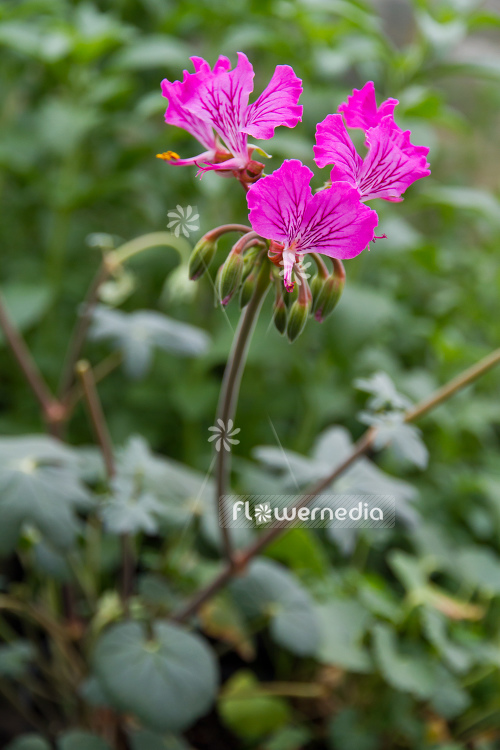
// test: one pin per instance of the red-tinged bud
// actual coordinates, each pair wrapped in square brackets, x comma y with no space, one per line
[330,293]
[201,257]
[230,277]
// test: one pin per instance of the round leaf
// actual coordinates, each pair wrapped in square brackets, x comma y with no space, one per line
[167,681]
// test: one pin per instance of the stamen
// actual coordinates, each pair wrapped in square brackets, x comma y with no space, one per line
[168,156]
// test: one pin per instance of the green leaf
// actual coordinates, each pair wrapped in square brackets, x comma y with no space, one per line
[15,658]
[405,439]
[404,672]
[466,199]
[26,303]
[39,486]
[182,491]
[129,511]
[349,731]
[248,711]
[300,550]
[28,742]
[384,393]
[343,624]
[137,334]
[168,681]
[270,590]
[478,566]
[143,739]
[154,51]
[80,740]
[289,738]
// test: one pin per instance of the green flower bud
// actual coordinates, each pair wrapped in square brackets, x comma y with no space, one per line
[230,277]
[280,317]
[328,297]
[247,289]
[201,257]
[297,318]
[316,285]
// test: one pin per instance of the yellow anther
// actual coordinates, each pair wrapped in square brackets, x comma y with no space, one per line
[168,155]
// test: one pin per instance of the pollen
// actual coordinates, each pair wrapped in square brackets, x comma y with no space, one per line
[168,155]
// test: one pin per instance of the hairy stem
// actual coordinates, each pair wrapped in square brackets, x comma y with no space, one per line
[365,443]
[230,390]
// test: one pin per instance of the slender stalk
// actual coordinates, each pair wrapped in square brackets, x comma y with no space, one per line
[80,330]
[230,389]
[103,438]
[214,234]
[52,410]
[456,384]
[101,370]
[96,415]
[365,443]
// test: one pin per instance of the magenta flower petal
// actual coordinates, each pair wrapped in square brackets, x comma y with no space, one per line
[278,201]
[213,106]
[277,105]
[392,163]
[221,101]
[336,223]
[333,222]
[360,110]
[334,146]
[179,93]
[223,63]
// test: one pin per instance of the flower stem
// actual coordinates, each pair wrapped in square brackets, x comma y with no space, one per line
[365,443]
[231,385]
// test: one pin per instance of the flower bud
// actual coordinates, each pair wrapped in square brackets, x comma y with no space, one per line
[247,288]
[297,317]
[201,257]
[316,286]
[230,277]
[279,311]
[328,297]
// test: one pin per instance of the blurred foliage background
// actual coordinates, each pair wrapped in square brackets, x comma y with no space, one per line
[81,121]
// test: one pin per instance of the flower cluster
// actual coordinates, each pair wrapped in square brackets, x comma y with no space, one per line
[287,219]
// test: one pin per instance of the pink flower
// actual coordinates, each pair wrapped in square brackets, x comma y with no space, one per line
[213,106]
[392,163]
[332,222]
